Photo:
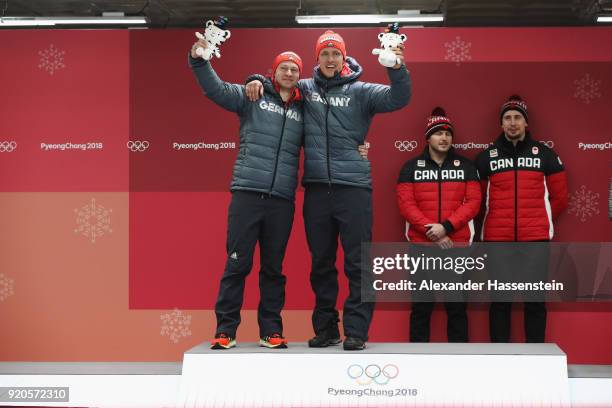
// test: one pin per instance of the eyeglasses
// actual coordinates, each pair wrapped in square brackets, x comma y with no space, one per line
[291,70]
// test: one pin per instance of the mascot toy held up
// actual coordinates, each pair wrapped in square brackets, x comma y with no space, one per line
[214,35]
[391,38]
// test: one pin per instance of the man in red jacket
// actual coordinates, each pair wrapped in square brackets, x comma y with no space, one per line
[438,194]
[526,189]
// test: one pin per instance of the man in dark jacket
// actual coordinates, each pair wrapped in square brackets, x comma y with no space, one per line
[263,191]
[338,111]
[526,189]
[438,194]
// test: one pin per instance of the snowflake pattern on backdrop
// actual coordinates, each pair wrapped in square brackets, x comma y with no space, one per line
[93,220]
[51,59]
[584,203]
[587,89]
[175,325]
[7,287]
[458,51]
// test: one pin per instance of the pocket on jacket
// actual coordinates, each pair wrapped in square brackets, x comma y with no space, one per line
[243,154]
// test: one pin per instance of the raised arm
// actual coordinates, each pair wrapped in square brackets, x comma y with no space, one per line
[229,96]
[385,98]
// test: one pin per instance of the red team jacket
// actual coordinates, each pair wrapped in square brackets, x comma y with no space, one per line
[448,195]
[526,189]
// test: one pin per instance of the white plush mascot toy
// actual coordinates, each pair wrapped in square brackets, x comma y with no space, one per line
[389,39]
[214,35]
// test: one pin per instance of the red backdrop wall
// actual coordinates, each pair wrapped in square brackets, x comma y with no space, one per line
[139,88]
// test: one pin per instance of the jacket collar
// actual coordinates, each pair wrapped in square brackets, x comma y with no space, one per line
[273,89]
[350,73]
[450,156]
[503,143]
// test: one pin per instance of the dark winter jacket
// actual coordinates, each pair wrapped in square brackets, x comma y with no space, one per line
[338,112]
[271,134]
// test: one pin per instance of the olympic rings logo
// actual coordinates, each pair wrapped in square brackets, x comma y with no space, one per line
[372,374]
[8,147]
[548,143]
[138,146]
[406,145]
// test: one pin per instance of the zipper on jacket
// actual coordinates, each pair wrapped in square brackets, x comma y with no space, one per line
[439,199]
[329,178]
[439,170]
[280,142]
[515,162]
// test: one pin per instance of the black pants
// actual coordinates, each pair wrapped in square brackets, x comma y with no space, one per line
[519,262]
[424,303]
[500,314]
[329,212]
[456,324]
[254,217]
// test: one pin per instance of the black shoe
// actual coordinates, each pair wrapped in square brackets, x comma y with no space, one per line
[329,337]
[354,343]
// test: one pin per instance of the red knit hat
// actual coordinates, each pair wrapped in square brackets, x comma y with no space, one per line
[287,56]
[438,121]
[330,39]
[514,102]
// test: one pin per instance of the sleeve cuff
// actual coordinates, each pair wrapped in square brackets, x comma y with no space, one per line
[403,66]
[255,77]
[195,62]
[448,226]
[401,71]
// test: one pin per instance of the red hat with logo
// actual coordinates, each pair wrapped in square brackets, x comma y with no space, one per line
[330,39]
[287,56]
[514,102]
[438,121]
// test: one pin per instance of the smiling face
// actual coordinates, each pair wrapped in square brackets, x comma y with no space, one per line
[330,61]
[514,125]
[287,74]
[440,141]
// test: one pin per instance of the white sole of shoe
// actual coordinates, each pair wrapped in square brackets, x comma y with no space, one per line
[263,343]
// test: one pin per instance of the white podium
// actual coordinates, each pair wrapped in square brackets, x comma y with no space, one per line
[384,375]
